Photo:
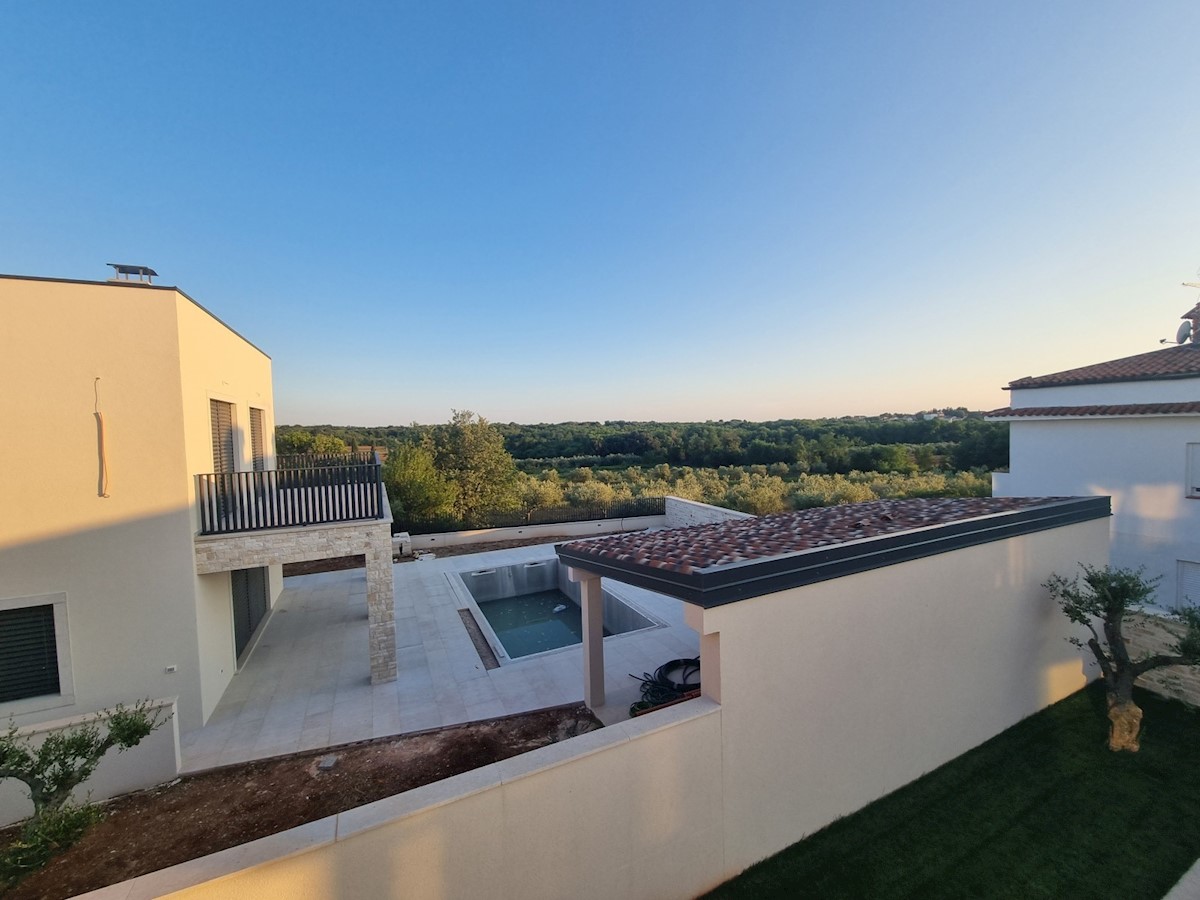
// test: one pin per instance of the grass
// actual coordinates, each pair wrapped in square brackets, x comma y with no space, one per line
[1042,810]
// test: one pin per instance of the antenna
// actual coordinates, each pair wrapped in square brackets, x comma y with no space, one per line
[1184,332]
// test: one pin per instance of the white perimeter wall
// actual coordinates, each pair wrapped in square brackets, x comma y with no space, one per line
[837,693]
[830,696]
[1141,463]
[682,512]
[153,761]
[566,530]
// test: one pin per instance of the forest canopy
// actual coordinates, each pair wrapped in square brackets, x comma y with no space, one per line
[468,469]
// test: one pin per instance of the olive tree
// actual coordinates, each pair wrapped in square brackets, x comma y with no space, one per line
[53,769]
[1104,598]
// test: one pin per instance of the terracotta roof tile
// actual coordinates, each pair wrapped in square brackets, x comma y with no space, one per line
[1119,409]
[1172,362]
[700,548]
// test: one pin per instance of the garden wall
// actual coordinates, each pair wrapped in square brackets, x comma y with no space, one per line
[551,532]
[818,700]
[153,761]
[682,512]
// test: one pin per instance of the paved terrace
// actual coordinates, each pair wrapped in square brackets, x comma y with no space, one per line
[307,682]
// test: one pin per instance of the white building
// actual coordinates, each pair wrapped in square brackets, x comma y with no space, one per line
[1128,428]
[144,520]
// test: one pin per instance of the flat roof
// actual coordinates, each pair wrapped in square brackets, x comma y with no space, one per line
[142,286]
[710,565]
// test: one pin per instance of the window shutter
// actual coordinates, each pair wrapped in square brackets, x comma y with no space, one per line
[1193,470]
[28,653]
[256,439]
[222,435]
[1189,584]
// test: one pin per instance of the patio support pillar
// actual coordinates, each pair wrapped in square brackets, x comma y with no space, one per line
[381,606]
[591,601]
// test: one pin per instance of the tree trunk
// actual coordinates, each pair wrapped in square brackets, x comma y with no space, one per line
[1125,718]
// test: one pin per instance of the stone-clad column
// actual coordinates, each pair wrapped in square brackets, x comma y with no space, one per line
[381,606]
[591,599]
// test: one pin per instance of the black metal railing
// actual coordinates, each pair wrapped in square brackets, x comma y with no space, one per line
[618,509]
[280,498]
[320,460]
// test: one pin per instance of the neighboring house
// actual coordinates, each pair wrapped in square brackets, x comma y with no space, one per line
[1128,428]
[143,517]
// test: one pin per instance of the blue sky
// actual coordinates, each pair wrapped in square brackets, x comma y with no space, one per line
[626,210]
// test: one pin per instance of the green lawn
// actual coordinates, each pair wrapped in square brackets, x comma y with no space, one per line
[1042,810]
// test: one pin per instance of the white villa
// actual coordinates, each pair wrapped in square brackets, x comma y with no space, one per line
[140,559]
[1127,428]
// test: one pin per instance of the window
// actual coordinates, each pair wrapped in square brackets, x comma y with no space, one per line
[1189,584]
[256,440]
[34,653]
[1193,470]
[222,436]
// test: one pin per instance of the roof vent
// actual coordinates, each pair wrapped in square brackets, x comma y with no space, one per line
[124,274]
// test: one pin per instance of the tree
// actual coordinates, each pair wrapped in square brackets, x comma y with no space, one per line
[416,489]
[289,441]
[470,452]
[52,770]
[330,445]
[1107,594]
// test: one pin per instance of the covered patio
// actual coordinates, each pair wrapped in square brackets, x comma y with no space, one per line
[307,684]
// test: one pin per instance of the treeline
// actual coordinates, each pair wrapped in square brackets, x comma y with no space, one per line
[955,440]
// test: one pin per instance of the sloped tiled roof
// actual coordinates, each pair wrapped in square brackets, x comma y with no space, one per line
[1171,362]
[727,561]
[1118,409]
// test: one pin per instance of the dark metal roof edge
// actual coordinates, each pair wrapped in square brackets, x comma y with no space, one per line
[147,287]
[758,577]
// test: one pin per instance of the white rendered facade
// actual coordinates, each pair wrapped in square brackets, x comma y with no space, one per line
[1135,440]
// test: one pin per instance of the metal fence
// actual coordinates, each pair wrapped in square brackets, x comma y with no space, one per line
[250,501]
[319,460]
[620,509]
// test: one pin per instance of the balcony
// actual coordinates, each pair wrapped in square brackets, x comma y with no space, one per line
[304,490]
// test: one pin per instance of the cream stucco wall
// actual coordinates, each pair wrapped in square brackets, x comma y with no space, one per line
[631,811]
[215,363]
[823,698]
[837,693]
[1141,462]
[124,562]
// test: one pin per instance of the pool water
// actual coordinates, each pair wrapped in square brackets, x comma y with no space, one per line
[528,624]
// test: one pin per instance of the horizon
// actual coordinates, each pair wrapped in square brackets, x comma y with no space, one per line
[678,212]
[616,422]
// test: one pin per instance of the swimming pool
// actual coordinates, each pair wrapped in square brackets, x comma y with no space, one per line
[531,608]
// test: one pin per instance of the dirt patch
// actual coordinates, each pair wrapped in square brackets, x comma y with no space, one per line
[210,811]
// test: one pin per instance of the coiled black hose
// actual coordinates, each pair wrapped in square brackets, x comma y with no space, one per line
[670,681]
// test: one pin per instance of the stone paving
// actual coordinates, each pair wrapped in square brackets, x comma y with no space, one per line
[1149,634]
[307,682]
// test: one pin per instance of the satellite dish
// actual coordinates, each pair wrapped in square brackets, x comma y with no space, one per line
[1184,332]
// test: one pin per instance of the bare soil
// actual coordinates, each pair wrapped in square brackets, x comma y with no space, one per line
[210,811]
